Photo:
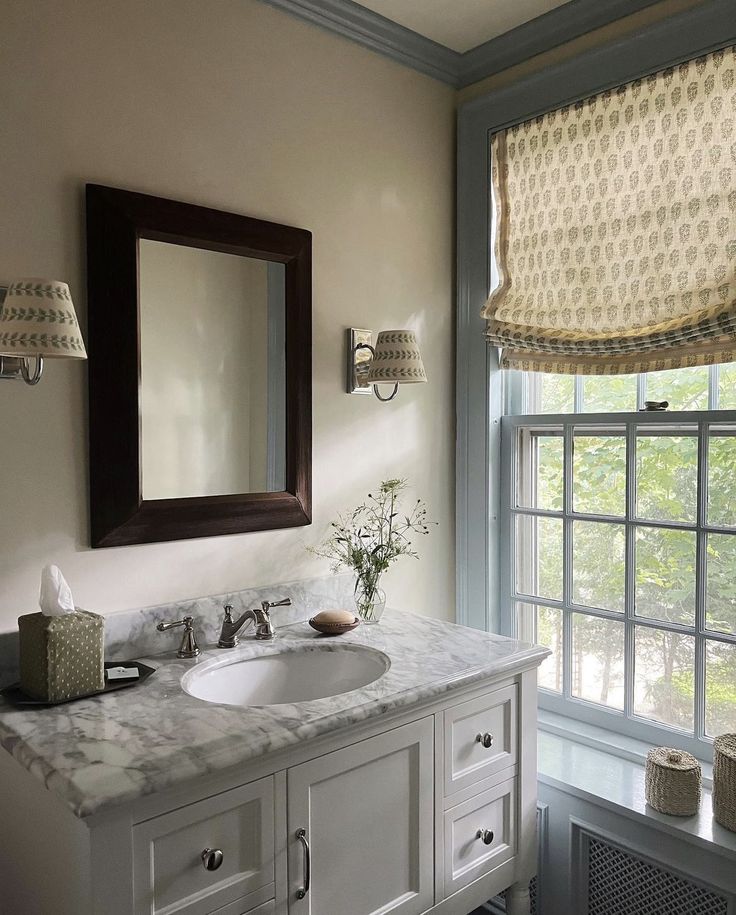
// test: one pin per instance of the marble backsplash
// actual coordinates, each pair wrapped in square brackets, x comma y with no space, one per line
[131,634]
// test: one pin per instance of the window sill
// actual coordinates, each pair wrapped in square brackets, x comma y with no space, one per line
[607,769]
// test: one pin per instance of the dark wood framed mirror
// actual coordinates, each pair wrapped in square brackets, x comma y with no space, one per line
[200,375]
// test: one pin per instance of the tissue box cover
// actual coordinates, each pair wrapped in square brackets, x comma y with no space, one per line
[61,657]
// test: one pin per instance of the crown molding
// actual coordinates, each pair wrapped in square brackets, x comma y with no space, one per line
[565,23]
[353,21]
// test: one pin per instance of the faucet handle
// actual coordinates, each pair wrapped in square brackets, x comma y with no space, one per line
[228,608]
[267,604]
[188,647]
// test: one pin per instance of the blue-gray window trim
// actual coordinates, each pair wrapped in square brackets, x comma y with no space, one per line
[479,382]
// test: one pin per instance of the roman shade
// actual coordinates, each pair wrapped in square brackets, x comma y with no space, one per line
[615,228]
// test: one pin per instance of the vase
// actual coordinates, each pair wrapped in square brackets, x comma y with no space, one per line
[370,601]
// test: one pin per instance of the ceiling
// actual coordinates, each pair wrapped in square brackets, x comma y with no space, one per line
[461,24]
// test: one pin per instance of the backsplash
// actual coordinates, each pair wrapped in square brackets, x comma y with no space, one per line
[132,634]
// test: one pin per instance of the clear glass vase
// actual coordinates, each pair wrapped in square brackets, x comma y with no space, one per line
[370,601]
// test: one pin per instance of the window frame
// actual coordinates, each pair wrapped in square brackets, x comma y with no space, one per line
[481,387]
[625,721]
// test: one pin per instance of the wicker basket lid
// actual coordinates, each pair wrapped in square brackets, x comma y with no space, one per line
[726,744]
[671,758]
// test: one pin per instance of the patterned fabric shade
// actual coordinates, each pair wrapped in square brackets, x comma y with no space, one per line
[397,359]
[37,318]
[615,237]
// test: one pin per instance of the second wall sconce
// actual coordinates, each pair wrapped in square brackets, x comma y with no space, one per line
[395,359]
[37,321]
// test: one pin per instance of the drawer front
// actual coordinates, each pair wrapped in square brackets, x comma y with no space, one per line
[467,759]
[480,835]
[168,872]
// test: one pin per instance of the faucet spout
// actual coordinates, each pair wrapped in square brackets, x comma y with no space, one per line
[230,628]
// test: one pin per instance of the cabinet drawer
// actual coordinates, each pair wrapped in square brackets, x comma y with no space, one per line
[467,760]
[467,856]
[168,873]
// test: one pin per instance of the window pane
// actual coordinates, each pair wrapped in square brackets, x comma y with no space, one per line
[539,556]
[598,660]
[685,389]
[720,688]
[598,565]
[609,393]
[666,477]
[664,686]
[720,599]
[540,471]
[547,632]
[727,386]
[722,480]
[550,393]
[665,575]
[599,474]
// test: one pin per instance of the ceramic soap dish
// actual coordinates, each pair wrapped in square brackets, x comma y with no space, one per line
[334,622]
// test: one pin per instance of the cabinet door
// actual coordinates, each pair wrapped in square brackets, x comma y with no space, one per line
[367,813]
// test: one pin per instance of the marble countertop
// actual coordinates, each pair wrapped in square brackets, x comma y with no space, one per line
[111,749]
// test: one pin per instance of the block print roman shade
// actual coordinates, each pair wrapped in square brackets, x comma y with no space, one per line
[615,236]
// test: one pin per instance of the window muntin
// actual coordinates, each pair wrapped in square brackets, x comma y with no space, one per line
[626,572]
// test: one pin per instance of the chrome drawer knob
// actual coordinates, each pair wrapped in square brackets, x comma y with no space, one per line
[485,835]
[212,858]
[485,739]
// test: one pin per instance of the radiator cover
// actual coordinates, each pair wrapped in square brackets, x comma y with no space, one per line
[620,883]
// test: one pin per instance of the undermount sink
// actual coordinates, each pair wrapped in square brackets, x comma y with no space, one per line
[287,676]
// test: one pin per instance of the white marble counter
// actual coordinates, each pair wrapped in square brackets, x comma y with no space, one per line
[101,752]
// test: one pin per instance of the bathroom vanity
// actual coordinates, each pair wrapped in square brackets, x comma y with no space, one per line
[412,793]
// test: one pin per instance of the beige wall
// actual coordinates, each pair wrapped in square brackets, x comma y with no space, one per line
[238,106]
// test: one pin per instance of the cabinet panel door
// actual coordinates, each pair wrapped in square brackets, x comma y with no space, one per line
[368,815]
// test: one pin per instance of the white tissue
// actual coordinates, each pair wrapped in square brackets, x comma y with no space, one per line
[55,597]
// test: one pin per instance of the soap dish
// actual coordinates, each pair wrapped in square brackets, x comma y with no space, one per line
[334,622]
[15,695]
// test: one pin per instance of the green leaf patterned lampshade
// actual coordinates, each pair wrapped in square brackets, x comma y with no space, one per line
[37,318]
[397,359]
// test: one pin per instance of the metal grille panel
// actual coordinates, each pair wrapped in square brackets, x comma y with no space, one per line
[622,884]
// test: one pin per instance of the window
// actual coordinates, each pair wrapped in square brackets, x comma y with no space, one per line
[622,531]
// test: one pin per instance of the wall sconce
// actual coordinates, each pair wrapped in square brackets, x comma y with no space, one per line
[37,320]
[395,358]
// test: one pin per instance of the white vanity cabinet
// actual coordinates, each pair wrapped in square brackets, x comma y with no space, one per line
[429,808]
[367,813]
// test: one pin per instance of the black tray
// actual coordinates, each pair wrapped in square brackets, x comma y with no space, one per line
[17,697]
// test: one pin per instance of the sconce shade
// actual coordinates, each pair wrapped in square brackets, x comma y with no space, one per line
[37,318]
[397,359]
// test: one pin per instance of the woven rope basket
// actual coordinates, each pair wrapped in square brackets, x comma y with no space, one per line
[724,780]
[673,781]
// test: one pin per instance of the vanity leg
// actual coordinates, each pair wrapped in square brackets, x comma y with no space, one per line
[518,899]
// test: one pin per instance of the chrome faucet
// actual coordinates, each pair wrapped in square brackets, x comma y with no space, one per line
[261,619]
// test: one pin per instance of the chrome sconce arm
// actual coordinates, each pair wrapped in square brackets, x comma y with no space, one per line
[13,368]
[393,394]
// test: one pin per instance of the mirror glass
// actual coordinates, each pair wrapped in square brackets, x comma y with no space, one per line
[212,372]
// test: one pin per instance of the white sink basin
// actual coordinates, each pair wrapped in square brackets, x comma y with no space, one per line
[289,676]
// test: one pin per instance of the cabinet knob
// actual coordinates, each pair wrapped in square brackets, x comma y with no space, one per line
[212,858]
[485,835]
[485,739]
